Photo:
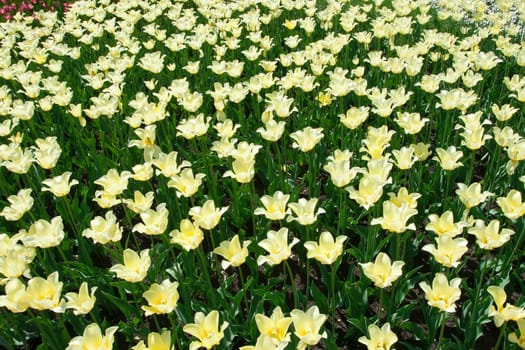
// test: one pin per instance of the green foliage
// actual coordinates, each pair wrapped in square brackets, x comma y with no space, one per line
[132,113]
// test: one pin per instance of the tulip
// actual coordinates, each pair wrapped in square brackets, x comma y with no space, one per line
[162,298]
[379,338]
[382,272]
[276,244]
[232,252]
[206,330]
[503,313]
[189,236]
[92,338]
[135,266]
[442,294]
[83,301]
[307,326]
[327,250]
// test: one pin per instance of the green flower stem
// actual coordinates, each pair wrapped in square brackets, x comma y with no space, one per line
[71,217]
[34,187]
[508,260]
[465,214]
[492,164]
[280,160]
[212,241]
[372,233]
[32,216]
[312,172]
[166,240]
[47,258]
[398,247]
[156,321]
[130,224]
[235,196]
[448,181]
[292,282]
[173,321]
[94,315]
[380,308]
[253,205]
[500,336]
[470,166]
[241,280]
[206,272]
[342,214]
[62,254]
[333,270]
[477,296]
[308,279]
[213,175]
[80,239]
[442,330]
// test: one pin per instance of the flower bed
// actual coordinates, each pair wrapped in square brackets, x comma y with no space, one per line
[263,175]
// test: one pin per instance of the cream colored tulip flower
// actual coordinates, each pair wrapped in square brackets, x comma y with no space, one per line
[369,191]
[490,236]
[59,185]
[304,210]
[448,251]
[154,222]
[134,267]
[502,312]
[327,250]
[16,298]
[382,272]
[307,326]
[379,338]
[168,165]
[232,252]
[92,338]
[504,112]
[162,298]
[193,126]
[104,229]
[442,294]
[46,152]
[274,206]
[44,294]
[445,225]
[113,182]
[206,330]
[83,301]
[272,130]
[140,202]
[156,341]
[207,216]
[307,138]
[395,218]
[276,244]
[189,235]
[354,117]
[448,158]
[242,171]
[471,195]
[19,204]
[44,234]
[275,327]
[512,205]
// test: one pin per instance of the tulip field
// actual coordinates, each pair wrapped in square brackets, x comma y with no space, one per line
[262,174]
